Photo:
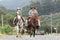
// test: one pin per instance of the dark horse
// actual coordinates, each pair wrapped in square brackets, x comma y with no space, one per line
[32,26]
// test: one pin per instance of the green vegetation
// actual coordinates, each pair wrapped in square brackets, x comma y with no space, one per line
[7,29]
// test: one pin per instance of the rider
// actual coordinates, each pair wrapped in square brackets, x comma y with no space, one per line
[32,13]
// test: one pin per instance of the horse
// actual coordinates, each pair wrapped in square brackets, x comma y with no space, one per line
[19,23]
[32,26]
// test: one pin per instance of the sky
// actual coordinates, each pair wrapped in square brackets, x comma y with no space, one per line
[13,4]
[0,0]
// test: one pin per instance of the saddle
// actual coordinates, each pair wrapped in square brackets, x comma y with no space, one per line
[33,16]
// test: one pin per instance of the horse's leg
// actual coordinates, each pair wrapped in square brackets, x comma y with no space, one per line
[22,28]
[31,31]
[17,30]
[22,31]
[34,32]
[37,29]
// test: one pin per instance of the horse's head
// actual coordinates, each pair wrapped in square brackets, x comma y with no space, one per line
[32,22]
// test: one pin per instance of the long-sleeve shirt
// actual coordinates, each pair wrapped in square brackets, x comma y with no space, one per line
[33,12]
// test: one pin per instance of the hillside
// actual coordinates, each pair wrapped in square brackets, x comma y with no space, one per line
[46,22]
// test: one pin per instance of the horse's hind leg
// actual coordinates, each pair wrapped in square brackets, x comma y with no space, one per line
[34,33]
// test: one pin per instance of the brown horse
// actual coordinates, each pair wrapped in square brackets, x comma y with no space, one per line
[32,26]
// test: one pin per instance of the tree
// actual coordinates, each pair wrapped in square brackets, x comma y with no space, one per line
[2,13]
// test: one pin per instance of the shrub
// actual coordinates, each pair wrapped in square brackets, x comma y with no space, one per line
[7,29]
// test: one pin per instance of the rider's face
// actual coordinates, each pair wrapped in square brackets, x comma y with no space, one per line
[32,8]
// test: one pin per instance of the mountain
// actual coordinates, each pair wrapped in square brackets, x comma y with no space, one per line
[13,4]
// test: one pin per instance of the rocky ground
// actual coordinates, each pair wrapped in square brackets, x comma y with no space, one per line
[27,37]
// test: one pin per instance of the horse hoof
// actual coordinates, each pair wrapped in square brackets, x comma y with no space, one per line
[17,36]
[20,36]
[33,35]
[30,35]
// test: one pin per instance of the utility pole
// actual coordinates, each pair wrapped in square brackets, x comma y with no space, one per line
[2,19]
[57,28]
[51,23]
